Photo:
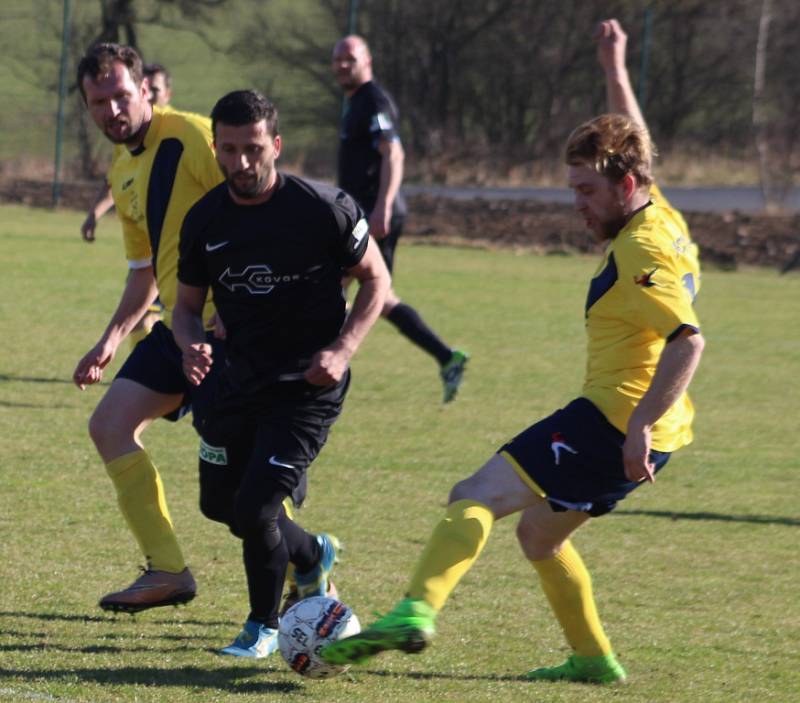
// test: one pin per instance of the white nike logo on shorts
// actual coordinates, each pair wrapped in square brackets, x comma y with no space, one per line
[274,461]
[214,247]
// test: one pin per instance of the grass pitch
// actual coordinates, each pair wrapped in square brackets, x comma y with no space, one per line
[696,577]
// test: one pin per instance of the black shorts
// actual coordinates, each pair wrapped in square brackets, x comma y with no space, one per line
[280,431]
[574,457]
[388,244]
[155,363]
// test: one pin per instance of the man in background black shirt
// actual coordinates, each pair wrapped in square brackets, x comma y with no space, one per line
[272,248]
[371,170]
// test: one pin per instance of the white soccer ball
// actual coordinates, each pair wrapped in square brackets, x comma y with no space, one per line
[310,625]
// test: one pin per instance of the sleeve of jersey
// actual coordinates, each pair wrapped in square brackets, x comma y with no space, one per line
[191,264]
[352,230]
[137,245]
[659,296]
[382,122]
[200,151]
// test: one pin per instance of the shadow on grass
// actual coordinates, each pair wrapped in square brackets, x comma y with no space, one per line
[433,675]
[230,679]
[33,379]
[713,517]
[125,618]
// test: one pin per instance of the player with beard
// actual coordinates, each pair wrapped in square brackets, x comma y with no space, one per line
[272,248]
[644,345]
[165,163]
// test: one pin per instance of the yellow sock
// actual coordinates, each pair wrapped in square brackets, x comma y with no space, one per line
[141,498]
[452,549]
[288,506]
[568,587]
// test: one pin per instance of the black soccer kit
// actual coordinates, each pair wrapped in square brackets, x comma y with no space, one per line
[371,116]
[275,270]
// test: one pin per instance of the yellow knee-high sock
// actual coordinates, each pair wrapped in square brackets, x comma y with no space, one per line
[452,549]
[141,498]
[568,587]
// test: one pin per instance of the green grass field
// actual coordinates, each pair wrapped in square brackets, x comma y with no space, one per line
[696,577]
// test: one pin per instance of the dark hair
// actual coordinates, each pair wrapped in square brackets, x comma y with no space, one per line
[99,59]
[151,69]
[243,107]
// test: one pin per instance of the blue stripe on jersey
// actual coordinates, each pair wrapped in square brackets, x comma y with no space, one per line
[159,190]
[602,282]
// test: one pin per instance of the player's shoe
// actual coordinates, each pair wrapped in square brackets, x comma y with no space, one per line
[452,374]
[599,669]
[292,597]
[409,627]
[152,589]
[255,640]
[315,582]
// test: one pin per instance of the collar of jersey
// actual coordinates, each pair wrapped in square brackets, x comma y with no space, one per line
[151,137]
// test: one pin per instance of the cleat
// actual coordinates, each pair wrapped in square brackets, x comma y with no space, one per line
[452,374]
[256,641]
[315,582]
[599,669]
[153,589]
[292,597]
[408,628]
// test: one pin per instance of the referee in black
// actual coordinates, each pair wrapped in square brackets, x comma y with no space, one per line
[272,247]
[371,169]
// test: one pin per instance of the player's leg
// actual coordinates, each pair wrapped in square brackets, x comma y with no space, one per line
[115,427]
[149,385]
[452,362]
[543,535]
[494,491]
[292,431]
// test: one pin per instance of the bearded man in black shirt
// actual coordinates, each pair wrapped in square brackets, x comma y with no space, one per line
[371,169]
[272,247]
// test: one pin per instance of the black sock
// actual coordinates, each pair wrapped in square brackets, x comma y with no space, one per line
[304,550]
[412,326]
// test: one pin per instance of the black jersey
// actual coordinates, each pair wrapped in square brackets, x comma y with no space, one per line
[275,270]
[371,115]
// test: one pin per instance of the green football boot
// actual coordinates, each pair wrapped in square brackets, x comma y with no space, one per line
[409,628]
[599,669]
[452,374]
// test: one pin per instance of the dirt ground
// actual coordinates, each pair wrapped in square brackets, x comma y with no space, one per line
[726,240]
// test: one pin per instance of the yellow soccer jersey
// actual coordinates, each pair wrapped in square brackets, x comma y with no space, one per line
[640,297]
[155,186]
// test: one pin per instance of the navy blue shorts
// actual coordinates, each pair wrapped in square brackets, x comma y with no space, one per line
[155,363]
[575,457]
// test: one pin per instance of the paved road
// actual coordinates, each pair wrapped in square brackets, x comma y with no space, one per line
[745,199]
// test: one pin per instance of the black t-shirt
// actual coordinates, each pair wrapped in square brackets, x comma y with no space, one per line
[371,115]
[275,270]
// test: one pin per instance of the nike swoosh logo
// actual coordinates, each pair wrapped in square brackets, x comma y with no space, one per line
[214,247]
[274,461]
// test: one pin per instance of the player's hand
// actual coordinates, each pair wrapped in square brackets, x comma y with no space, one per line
[611,44]
[90,368]
[636,455]
[197,361]
[379,221]
[88,227]
[328,367]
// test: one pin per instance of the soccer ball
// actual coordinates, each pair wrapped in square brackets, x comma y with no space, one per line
[310,625]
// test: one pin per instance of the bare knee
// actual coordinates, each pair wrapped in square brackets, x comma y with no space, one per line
[391,302]
[537,544]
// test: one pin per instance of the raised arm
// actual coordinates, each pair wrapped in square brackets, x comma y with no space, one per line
[611,47]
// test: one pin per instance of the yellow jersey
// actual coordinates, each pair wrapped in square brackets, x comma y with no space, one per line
[640,297]
[154,187]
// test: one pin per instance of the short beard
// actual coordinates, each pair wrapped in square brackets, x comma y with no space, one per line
[611,228]
[252,192]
